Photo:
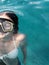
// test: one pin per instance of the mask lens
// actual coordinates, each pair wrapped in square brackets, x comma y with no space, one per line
[7,26]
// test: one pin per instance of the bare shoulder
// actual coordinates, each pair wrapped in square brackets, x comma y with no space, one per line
[20,37]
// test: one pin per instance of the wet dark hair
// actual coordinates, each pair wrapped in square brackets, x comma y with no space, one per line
[14,18]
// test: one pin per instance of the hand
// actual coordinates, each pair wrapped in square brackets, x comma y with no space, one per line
[24,62]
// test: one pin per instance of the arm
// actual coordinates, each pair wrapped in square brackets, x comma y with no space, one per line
[23,48]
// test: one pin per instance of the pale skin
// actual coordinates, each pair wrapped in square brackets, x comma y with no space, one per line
[18,38]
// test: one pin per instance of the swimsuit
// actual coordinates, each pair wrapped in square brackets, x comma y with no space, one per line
[11,58]
[11,54]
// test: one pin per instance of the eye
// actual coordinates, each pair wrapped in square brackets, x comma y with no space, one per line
[7,25]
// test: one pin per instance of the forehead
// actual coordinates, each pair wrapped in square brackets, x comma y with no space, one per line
[3,15]
[5,20]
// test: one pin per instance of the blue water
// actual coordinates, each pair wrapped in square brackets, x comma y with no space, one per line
[34,22]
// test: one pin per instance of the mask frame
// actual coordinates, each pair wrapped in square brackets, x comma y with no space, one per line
[4,23]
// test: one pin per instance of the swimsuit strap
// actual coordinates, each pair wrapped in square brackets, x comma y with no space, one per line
[14,42]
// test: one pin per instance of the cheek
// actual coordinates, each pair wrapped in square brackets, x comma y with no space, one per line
[10,34]
[7,36]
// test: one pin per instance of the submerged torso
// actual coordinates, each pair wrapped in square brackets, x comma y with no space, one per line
[9,50]
[11,58]
[6,48]
[9,53]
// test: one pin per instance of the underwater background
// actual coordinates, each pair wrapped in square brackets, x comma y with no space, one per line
[34,23]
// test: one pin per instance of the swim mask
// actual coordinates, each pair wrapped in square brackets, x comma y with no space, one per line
[6,25]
